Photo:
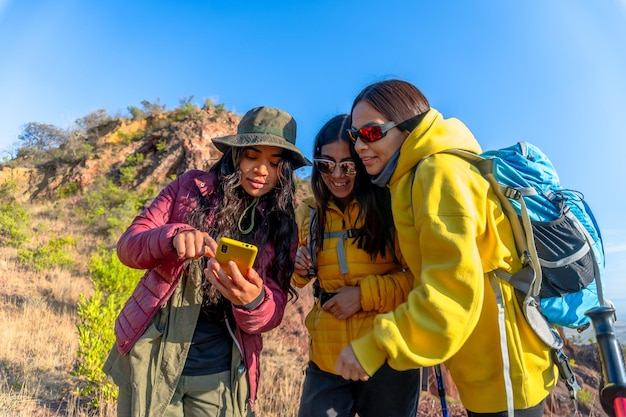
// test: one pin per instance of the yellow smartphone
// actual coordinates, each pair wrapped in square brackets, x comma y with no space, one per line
[242,253]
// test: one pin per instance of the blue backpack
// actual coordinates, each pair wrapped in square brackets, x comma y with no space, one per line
[556,233]
[558,241]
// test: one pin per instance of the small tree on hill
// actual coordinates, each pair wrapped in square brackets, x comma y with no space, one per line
[41,137]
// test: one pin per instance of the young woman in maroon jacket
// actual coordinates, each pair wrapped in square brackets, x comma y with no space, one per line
[189,338]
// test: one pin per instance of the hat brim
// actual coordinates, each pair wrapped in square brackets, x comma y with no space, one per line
[261,139]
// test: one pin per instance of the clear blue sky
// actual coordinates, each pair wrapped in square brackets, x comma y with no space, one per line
[549,72]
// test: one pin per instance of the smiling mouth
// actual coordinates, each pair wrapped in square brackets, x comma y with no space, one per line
[339,184]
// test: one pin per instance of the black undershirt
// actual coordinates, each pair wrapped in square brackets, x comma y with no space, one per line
[211,345]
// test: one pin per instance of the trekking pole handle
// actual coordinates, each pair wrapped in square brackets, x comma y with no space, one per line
[613,394]
[620,407]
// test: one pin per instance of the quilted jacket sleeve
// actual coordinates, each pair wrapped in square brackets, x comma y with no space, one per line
[269,313]
[147,243]
[383,293]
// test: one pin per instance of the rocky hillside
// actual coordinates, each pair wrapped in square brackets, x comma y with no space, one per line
[157,148]
[141,154]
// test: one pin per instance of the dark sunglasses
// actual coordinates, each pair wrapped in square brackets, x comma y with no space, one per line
[326,166]
[372,133]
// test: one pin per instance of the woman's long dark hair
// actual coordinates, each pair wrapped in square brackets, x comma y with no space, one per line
[222,211]
[378,232]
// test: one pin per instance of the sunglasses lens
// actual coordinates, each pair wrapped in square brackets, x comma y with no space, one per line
[371,133]
[348,168]
[367,134]
[325,167]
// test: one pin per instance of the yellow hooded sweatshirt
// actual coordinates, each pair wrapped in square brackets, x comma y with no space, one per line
[452,232]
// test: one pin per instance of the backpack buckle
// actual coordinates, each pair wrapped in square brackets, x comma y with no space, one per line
[512,193]
[565,371]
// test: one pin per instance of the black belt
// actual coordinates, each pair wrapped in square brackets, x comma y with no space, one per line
[325,296]
[322,295]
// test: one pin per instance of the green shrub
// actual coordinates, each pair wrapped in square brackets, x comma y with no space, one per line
[161,145]
[14,218]
[188,111]
[217,109]
[128,138]
[13,221]
[8,161]
[585,397]
[42,227]
[128,174]
[7,188]
[114,283]
[136,113]
[125,137]
[208,104]
[128,170]
[154,109]
[576,339]
[52,253]
[134,159]
[67,189]
[83,151]
[109,209]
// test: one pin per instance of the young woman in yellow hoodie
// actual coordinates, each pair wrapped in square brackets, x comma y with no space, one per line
[453,234]
[357,274]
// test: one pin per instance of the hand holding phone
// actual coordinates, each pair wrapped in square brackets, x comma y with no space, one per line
[242,253]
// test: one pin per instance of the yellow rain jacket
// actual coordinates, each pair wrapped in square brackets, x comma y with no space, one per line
[452,232]
[384,284]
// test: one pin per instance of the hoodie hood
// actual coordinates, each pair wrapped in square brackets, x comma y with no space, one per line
[434,134]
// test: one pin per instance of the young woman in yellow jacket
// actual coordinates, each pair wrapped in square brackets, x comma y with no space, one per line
[358,275]
[453,234]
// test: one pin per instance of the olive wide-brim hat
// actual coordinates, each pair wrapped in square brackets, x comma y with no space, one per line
[265,126]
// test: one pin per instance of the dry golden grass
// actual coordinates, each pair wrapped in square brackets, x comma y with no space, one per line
[285,355]
[39,318]
[40,340]
[39,344]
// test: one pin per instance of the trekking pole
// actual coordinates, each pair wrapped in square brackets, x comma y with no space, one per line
[613,390]
[441,390]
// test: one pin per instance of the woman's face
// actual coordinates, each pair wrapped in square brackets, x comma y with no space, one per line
[339,184]
[259,169]
[375,155]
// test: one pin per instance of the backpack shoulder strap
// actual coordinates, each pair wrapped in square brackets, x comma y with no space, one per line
[311,242]
[485,167]
[341,234]
[522,230]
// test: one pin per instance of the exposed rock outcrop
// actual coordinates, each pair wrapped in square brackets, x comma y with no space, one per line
[152,151]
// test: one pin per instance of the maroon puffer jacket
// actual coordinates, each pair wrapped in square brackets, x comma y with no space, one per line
[147,244]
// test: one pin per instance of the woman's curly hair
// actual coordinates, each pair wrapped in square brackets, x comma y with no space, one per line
[220,213]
